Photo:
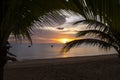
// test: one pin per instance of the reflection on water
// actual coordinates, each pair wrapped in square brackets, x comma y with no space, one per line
[41,51]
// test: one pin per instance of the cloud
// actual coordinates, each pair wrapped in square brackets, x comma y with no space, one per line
[49,34]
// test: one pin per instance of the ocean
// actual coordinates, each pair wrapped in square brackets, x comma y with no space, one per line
[43,51]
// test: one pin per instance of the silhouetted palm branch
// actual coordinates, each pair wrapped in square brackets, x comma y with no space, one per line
[106,11]
[101,22]
[17,17]
[94,24]
[93,42]
[101,34]
[96,34]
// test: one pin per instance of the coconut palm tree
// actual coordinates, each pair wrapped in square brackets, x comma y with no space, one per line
[17,18]
[103,17]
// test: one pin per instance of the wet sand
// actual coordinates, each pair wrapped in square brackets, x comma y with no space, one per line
[104,67]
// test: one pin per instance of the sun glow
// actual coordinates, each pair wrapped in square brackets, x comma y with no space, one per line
[65,40]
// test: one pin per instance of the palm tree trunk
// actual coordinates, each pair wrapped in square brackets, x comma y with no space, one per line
[3,60]
[1,72]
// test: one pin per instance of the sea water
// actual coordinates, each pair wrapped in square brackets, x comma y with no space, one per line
[42,51]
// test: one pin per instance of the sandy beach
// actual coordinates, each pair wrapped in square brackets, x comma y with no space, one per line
[104,67]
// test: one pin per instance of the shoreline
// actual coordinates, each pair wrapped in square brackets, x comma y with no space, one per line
[55,61]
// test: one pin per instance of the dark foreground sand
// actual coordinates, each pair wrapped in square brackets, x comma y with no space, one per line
[106,67]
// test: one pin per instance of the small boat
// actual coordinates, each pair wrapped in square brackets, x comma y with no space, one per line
[29,46]
[52,46]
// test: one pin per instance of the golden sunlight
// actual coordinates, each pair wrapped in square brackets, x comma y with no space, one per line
[65,40]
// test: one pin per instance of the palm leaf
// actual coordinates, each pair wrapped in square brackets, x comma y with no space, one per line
[11,54]
[93,24]
[93,42]
[106,11]
[96,34]
[11,58]
[17,17]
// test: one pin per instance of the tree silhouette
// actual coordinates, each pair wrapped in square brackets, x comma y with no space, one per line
[17,18]
[97,34]
[102,19]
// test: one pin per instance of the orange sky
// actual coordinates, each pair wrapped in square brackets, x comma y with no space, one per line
[52,36]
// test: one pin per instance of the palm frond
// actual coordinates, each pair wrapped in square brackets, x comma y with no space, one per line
[106,11]
[9,58]
[96,34]
[94,24]
[18,16]
[93,42]
[102,16]
[11,54]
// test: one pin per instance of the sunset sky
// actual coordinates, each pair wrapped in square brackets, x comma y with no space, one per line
[59,34]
